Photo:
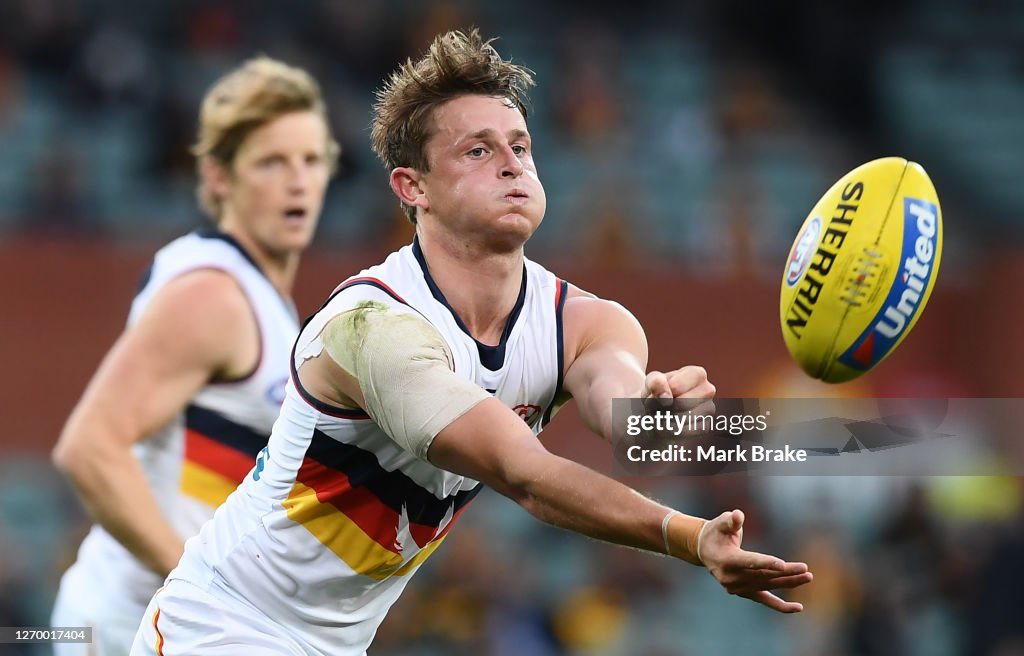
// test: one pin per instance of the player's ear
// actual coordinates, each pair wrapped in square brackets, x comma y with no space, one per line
[216,176]
[406,182]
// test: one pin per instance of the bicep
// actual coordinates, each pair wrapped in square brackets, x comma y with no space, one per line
[609,359]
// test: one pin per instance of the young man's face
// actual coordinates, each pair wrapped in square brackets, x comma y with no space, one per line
[276,186]
[482,183]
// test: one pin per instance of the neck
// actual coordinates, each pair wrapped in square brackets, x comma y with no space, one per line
[279,268]
[281,272]
[482,288]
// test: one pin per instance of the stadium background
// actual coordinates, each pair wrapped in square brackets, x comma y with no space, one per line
[680,146]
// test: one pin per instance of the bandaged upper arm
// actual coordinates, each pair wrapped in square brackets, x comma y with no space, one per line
[404,370]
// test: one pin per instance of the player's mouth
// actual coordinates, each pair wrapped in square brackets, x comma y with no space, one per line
[295,214]
[517,197]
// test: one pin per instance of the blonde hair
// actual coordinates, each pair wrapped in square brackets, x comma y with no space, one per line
[457,64]
[255,93]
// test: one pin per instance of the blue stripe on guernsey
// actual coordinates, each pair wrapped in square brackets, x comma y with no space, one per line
[221,429]
[218,454]
[214,233]
[144,279]
[392,488]
[920,234]
[560,295]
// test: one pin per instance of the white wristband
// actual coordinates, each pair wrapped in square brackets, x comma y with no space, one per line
[664,531]
[699,537]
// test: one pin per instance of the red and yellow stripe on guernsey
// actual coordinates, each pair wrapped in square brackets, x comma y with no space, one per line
[159,647]
[358,526]
[343,536]
[218,455]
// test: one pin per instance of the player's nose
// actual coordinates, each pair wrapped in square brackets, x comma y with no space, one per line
[511,165]
[298,177]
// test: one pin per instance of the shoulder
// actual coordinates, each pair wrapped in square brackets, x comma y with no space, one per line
[204,305]
[200,321]
[204,291]
[583,308]
[590,320]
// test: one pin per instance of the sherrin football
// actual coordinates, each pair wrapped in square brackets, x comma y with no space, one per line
[861,269]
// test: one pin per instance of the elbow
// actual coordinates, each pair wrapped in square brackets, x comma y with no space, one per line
[66,455]
[531,504]
[80,453]
[82,463]
[521,487]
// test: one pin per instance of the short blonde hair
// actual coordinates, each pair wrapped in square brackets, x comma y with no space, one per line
[255,93]
[457,64]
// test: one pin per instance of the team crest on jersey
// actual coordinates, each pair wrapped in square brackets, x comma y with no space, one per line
[528,411]
[276,391]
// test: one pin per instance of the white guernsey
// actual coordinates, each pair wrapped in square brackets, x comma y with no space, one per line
[194,462]
[342,508]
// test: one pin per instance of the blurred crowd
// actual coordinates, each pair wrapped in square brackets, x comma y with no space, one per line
[698,134]
[674,132]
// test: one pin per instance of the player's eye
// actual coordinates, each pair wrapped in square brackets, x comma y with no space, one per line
[272,160]
[476,152]
[519,149]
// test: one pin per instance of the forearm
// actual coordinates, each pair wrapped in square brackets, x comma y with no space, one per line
[596,402]
[114,490]
[571,496]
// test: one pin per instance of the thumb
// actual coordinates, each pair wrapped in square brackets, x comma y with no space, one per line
[656,385]
[735,521]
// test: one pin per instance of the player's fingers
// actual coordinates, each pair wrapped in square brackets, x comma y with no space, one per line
[789,582]
[750,561]
[692,382]
[704,390]
[656,385]
[696,408]
[694,405]
[773,583]
[774,602]
[788,569]
[779,568]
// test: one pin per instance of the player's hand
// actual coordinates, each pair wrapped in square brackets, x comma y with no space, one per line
[684,390]
[686,383]
[747,573]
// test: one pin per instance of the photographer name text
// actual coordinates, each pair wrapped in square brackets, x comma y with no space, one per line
[712,453]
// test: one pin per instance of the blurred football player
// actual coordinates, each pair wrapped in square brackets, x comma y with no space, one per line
[187,396]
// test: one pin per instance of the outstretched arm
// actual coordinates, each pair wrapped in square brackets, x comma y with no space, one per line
[486,441]
[492,444]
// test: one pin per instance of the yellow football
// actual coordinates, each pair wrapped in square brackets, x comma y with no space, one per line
[861,269]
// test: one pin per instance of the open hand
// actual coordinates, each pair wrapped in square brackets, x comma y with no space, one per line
[747,573]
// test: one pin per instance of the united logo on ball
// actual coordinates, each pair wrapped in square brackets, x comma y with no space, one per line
[861,269]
